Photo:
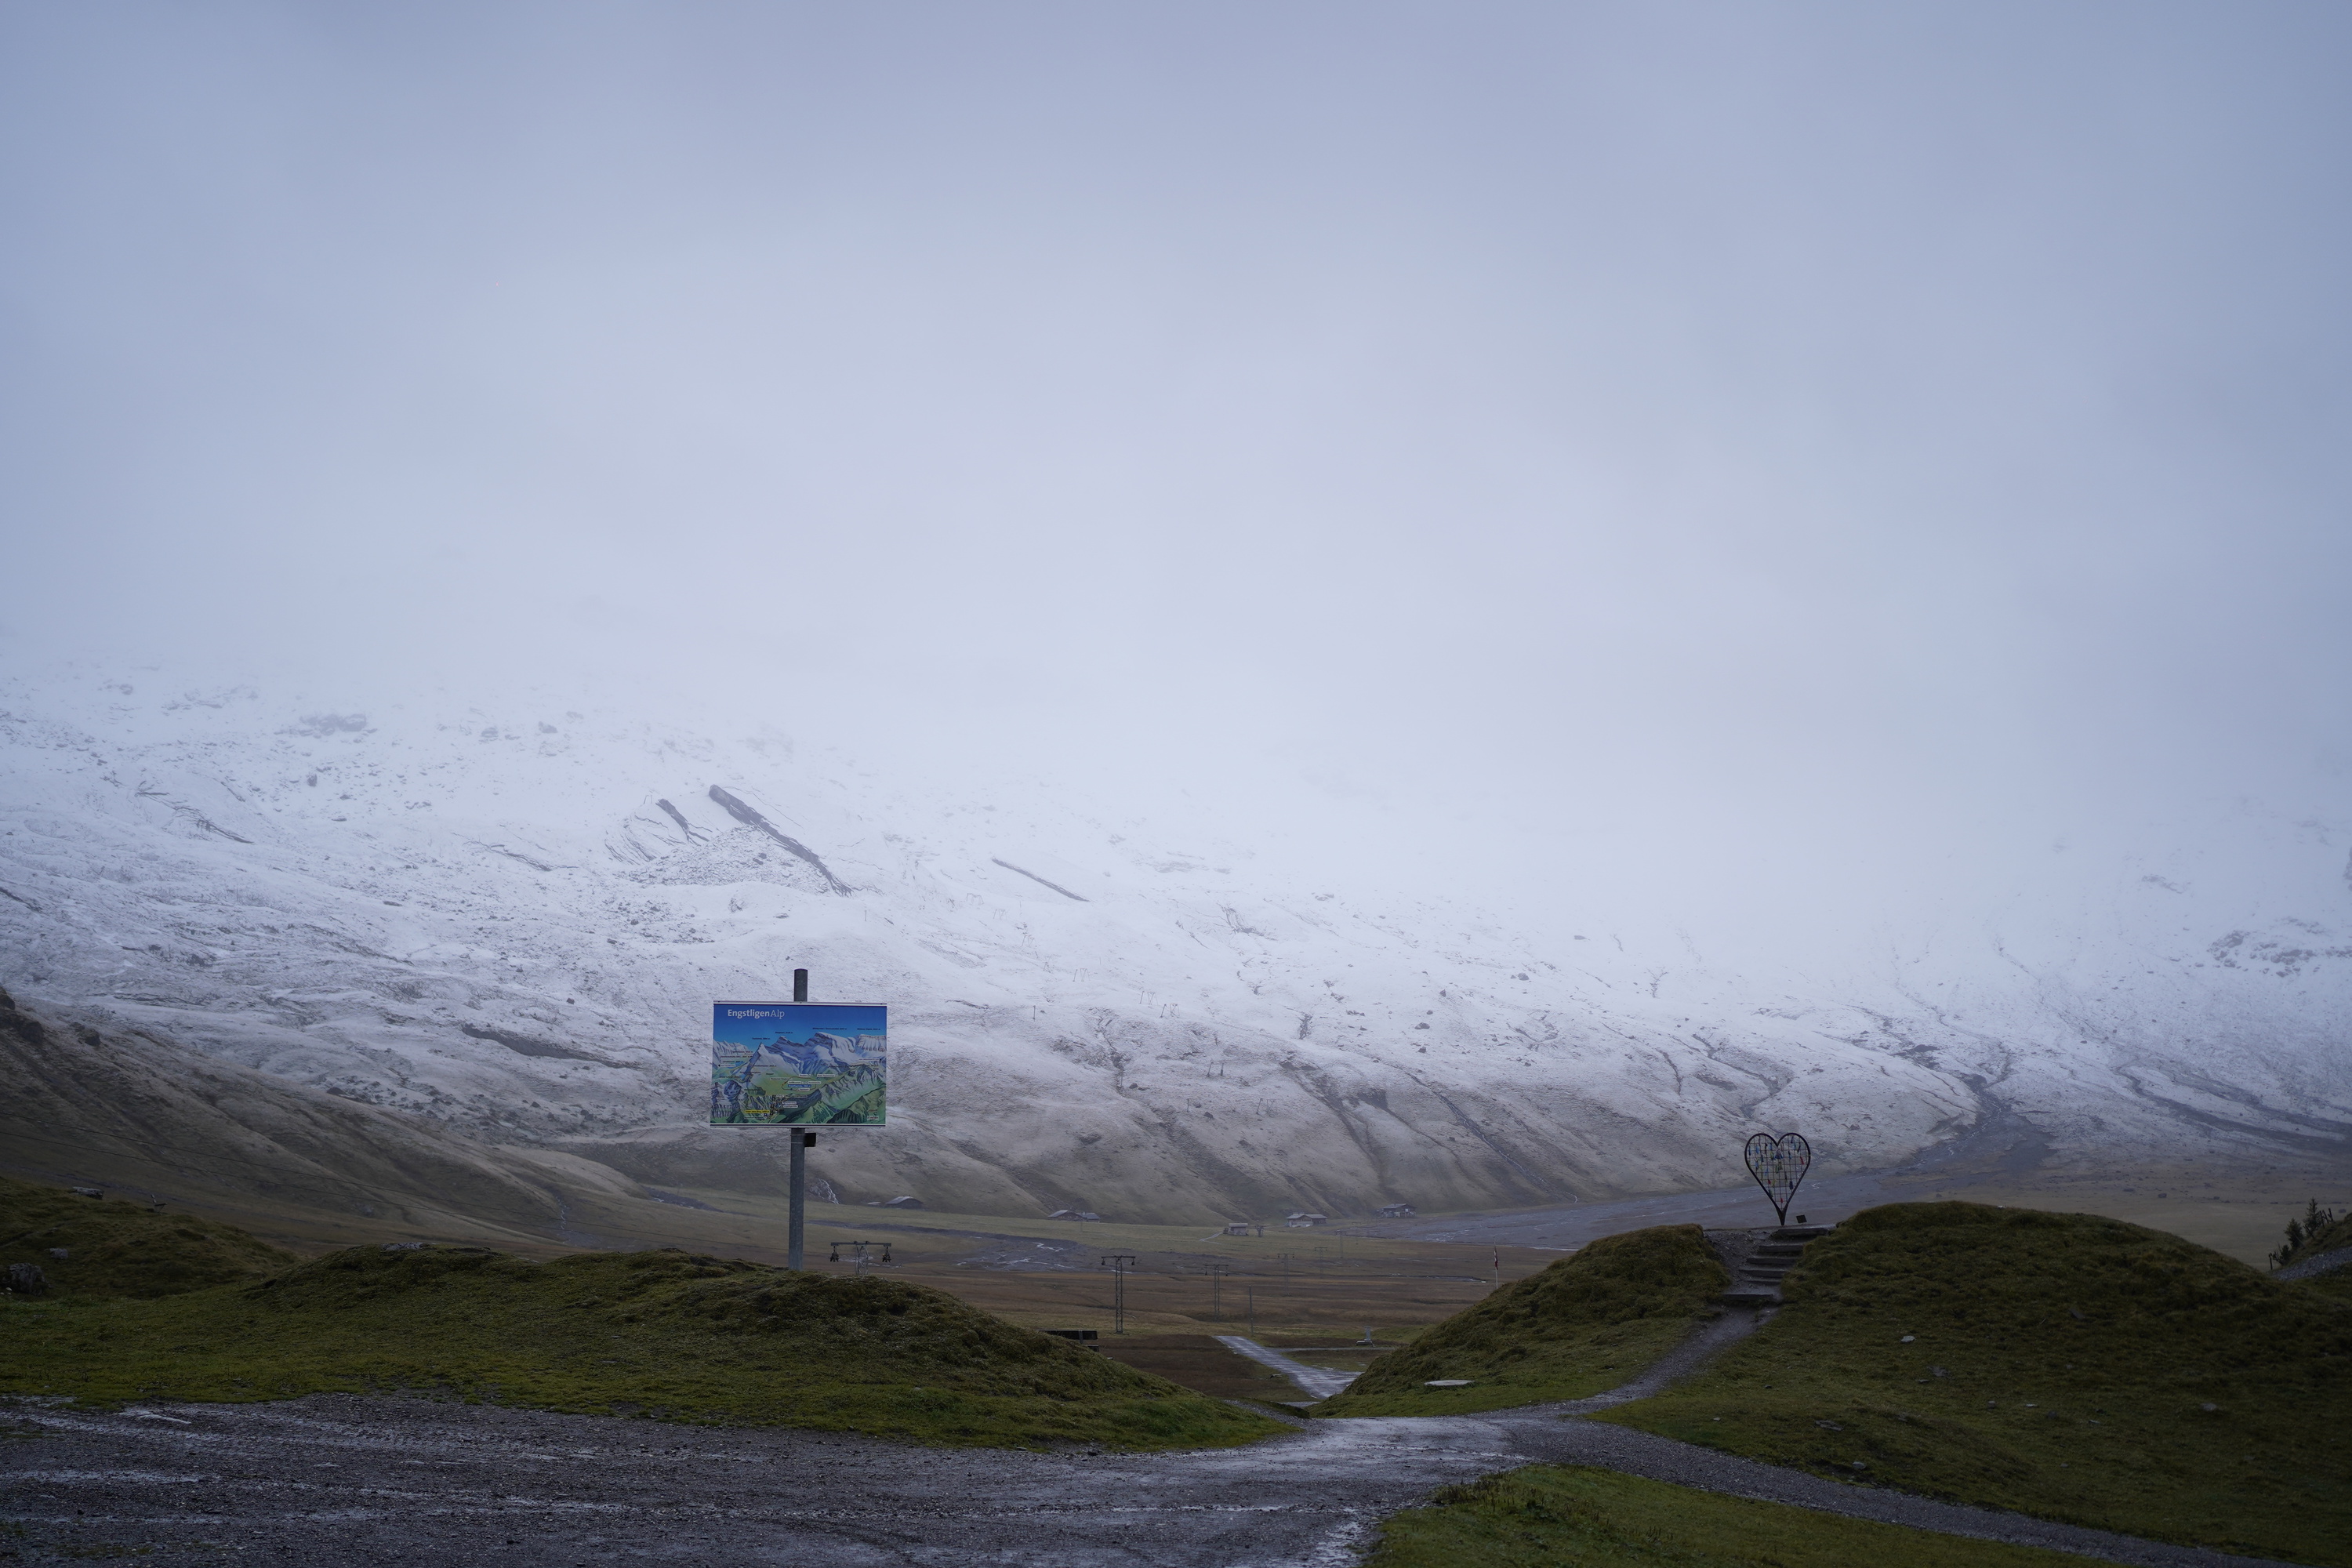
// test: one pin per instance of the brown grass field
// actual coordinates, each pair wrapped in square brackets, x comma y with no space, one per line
[1319,1287]
[1307,1288]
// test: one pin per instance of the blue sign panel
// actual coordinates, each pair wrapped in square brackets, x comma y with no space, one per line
[797,1063]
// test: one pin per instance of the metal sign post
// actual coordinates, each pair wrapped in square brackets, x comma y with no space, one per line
[799,1066]
[796,1207]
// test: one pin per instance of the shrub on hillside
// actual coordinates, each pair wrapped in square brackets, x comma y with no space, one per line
[2315,1231]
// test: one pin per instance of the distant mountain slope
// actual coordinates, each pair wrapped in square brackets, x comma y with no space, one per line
[140,1114]
[514,922]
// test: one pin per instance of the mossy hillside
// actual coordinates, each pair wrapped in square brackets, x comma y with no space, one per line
[658,1333]
[2330,1233]
[1545,1515]
[2335,1282]
[2336,1285]
[2066,1365]
[1582,1325]
[116,1247]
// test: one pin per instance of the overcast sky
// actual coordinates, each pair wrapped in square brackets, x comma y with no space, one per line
[1716,449]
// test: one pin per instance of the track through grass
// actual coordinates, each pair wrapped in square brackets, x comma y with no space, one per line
[1585,1324]
[1547,1515]
[2065,1365]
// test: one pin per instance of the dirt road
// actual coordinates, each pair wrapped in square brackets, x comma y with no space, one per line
[347,1479]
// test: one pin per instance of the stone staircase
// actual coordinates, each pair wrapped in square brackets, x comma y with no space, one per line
[1756,1280]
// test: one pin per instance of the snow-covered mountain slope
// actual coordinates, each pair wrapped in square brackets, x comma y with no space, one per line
[514,921]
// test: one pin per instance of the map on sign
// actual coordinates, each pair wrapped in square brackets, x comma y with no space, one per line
[797,1063]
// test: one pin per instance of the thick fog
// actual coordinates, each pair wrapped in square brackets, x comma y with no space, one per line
[1781,469]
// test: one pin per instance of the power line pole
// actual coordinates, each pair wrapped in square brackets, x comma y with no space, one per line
[1118,1263]
[1217,1292]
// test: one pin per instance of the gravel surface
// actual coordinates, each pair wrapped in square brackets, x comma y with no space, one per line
[344,1478]
[2317,1265]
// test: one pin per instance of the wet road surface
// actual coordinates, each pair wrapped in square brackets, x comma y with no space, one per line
[346,1478]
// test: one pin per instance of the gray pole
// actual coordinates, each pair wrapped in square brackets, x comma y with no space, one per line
[796,1215]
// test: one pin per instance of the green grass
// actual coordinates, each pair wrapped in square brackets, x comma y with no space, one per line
[2336,1284]
[116,1247]
[655,1333]
[2091,1371]
[1545,1515]
[1581,1326]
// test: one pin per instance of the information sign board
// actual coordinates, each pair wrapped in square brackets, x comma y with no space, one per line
[798,1064]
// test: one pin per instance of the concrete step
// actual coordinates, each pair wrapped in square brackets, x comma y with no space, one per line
[1757,1281]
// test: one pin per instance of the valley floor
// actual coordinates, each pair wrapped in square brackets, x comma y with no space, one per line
[2239,1210]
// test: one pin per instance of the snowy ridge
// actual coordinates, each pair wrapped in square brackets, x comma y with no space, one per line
[514,921]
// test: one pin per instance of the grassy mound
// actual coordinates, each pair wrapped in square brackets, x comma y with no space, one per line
[1584,1325]
[1546,1515]
[2067,1365]
[657,1333]
[115,1247]
[2337,1283]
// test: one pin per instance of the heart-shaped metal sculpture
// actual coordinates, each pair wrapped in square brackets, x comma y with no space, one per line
[1779,1164]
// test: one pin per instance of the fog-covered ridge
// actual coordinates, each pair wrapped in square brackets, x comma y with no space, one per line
[514,920]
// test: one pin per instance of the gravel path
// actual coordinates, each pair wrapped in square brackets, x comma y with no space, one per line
[1316,1382]
[361,1480]
[1573,1442]
[1735,1324]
